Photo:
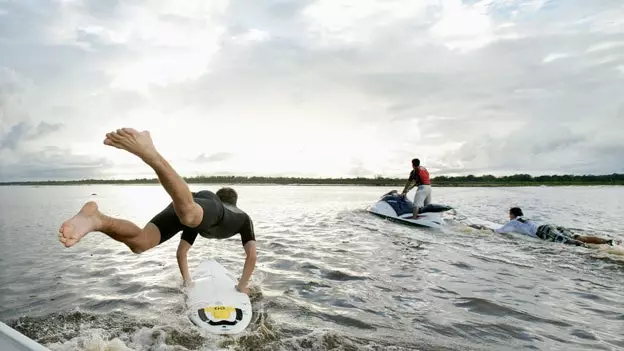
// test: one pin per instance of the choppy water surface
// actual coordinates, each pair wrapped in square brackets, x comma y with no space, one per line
[329,276]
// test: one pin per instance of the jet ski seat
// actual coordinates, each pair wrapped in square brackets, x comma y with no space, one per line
[403,205]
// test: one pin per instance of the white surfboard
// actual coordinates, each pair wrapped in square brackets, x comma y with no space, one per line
[213,302]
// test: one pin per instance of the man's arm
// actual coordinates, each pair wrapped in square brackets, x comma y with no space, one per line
[507,228]
[181,255]
[480,227]
[250,264]
[412,181]
[510,227]
[188,238]
[410,184]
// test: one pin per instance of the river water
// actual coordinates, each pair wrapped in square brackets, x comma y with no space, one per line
[330,276]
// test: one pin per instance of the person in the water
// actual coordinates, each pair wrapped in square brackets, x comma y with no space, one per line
[518,224]
[205,213]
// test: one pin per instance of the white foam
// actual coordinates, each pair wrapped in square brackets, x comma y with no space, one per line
[144,339]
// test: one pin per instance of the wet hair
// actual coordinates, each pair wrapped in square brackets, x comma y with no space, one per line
[228,195]
[516,211]
[415,162]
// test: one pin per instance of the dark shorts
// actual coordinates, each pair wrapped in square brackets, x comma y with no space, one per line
[557,234]
[169,224]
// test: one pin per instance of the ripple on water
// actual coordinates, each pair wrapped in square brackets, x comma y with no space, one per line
[131,288]
[443,291]
[489,308]
[489,332]
[107,303]
[284,264]
[341,276]
[583,334]
[106,272]
[462,265]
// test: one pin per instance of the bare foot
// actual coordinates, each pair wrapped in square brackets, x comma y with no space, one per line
[133,141]
[85,221]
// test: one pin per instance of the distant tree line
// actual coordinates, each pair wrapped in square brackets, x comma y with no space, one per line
[527,179]
[469,180]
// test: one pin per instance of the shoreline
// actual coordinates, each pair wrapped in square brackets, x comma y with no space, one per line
[447,182]
[335,185]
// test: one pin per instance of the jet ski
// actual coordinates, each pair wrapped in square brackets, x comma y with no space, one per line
[397,208]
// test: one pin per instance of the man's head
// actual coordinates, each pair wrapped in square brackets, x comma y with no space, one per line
[228,195]
[515,212]
[415,163]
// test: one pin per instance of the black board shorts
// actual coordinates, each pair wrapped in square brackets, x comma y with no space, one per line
[169,224]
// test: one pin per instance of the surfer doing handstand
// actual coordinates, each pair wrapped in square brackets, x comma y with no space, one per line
[205,213]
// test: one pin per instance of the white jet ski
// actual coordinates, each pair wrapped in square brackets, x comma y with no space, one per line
[396,208]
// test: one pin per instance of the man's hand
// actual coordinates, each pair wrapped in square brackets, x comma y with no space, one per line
[242,288]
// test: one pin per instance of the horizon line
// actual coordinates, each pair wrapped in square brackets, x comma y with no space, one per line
[441,178]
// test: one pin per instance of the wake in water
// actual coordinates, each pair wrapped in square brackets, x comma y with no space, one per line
[118,331]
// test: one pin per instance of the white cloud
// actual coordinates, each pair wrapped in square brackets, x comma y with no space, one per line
[607,45]
[555,56]
[320,88]
[168,42]
[463,27]
[344,22]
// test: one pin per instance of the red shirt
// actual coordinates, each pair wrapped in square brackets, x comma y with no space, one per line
[421,176]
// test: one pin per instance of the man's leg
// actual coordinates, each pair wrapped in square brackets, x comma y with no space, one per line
[419,200]
[428,198]
[141,145]
[593,240]
[416,204]
[90,219]
[584,238]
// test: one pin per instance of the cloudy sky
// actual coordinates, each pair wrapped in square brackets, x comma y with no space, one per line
[312,87]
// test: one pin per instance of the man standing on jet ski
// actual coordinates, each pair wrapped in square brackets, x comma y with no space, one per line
[418,176]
